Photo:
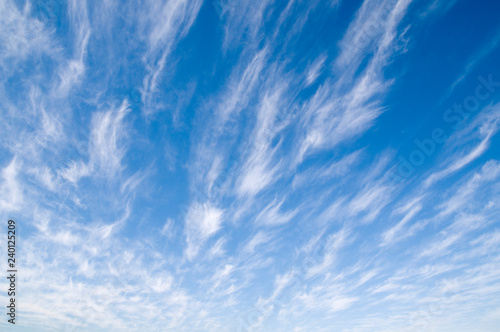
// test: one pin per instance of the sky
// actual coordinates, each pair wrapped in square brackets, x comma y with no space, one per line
[223,165]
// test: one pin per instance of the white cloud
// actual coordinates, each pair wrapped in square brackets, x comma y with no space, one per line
[259,170]
[241,86]
[202,222]
[488,173]
[164,24]
[244,17]
[346,108]
[106,144]
[334,243]
[168,229]
[74,171]
[272,215]
[21,36]
[315,69]
[71,74]
[12,192]
[485,128]
[255,241]
[270,115]
[389,237]
[217,249]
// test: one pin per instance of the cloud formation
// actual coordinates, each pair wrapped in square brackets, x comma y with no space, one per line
[230,165]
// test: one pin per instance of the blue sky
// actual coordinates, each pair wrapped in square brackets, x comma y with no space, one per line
[252,165]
